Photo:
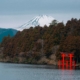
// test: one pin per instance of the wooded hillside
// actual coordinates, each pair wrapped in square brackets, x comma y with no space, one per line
[34,43]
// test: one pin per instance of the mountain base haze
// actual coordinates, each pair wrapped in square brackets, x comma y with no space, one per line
[6,32]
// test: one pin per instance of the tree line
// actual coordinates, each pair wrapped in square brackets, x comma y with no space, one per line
[38,41]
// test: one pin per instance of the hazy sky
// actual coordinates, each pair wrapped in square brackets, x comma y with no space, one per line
[14,13]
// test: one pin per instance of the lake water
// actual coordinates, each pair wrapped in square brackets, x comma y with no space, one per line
[10,71]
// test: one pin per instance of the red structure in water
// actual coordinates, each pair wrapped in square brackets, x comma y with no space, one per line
[67,61]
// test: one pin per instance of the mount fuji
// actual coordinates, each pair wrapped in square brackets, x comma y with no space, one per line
[38,20]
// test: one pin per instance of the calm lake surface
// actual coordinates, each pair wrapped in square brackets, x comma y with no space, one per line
[10,71]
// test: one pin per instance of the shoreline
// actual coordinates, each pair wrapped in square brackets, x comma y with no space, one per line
[50,66]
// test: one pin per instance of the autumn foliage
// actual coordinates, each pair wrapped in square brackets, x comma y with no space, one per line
[39,41]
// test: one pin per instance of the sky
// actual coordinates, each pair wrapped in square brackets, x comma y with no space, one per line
[14,13]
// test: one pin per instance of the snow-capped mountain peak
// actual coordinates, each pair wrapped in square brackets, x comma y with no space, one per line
[38,20]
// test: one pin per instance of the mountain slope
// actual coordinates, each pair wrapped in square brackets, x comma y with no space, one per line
[5,32]
[39,20]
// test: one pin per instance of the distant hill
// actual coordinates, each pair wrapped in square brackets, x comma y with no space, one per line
[5,32]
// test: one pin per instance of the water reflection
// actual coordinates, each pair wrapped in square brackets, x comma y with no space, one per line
[67,75]
[11,65]
[36,72]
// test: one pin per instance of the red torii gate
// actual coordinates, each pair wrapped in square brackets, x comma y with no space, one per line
[67,61]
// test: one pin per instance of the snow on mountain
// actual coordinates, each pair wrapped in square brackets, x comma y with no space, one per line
[38,20]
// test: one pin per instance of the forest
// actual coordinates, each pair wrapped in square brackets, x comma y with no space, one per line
[30,45]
